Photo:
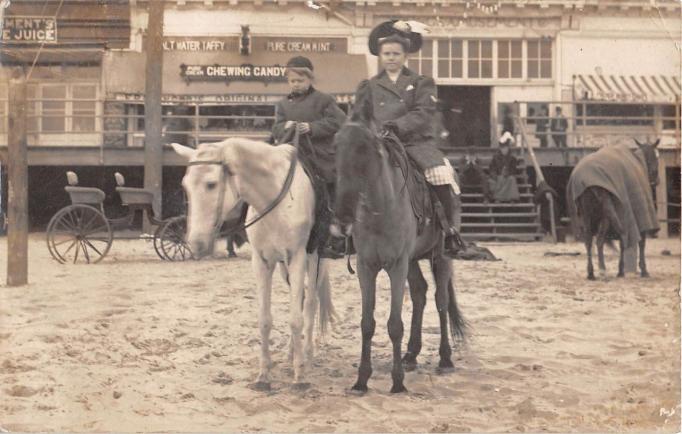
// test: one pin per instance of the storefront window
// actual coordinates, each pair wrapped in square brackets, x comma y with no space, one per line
[509,58]
[253,118]
[63,108]
[536,111]
[450,58]
[192,124]
[53,112]
[84,111]
[480,59]
[540,59]
[422,61]
[669,117]
[615,114]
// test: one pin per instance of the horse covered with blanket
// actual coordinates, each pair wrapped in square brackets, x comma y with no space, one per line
[612,189]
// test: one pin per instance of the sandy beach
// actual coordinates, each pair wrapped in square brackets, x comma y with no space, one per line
[138,344]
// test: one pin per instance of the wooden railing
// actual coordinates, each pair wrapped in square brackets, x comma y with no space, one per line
[539,177]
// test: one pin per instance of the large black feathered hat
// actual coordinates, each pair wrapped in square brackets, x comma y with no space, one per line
[395,31]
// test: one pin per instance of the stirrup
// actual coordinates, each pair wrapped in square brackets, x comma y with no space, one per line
[457,242]
[334,248]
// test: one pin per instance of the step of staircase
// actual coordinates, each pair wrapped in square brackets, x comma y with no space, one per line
[483,221]
[486,236]
[500,214]
[499,225]
[492,205]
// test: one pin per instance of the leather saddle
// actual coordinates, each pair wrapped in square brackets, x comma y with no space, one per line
[320,229]
[422,198]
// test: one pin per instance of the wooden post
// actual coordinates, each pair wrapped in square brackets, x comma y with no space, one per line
[662,199]
[153,145]
[678,133]
[539,177]
[17,165]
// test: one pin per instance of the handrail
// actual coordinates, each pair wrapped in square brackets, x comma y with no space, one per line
[539,177]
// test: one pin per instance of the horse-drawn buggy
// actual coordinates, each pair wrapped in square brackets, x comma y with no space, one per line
[82,233]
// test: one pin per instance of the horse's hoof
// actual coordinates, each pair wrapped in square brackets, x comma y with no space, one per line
[301,387]
[261,386]
[645,275]
[445,367]
[409,365]
[358,389]
[620,275]
[398,388]
[443,370]
[591,277]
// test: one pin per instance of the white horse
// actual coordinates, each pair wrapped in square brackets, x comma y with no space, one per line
[280,195]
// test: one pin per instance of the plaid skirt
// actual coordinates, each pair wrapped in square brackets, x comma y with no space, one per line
[442,175]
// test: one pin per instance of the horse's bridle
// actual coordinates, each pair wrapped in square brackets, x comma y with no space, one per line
[227,174]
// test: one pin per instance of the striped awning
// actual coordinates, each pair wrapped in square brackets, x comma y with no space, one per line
[627,88]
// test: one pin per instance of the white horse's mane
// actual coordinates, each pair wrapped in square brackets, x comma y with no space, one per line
[241,146]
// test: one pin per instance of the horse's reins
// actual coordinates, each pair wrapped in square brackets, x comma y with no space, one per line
[227,172]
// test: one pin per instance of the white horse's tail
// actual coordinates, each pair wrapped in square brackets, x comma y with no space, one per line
[324,294]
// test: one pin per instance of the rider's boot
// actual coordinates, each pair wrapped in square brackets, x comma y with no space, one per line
[334,247]
[453,242]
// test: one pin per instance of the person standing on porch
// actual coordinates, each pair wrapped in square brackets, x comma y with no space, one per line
[541,127]
[558,126]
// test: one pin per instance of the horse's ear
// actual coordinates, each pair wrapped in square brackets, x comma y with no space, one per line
[184,151]
[638,144]
[656,143]
[362,112]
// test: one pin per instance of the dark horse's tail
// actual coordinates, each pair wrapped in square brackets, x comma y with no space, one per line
[458,325]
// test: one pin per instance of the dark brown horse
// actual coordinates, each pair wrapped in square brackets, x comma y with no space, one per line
[373,204]
[611,192]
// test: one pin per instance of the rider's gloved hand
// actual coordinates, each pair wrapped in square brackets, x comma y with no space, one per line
[303,127]
[390,127]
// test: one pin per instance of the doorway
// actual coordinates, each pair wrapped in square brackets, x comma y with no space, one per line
[466,114]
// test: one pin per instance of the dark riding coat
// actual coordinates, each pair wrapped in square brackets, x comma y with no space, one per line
[409,105]
[325,118]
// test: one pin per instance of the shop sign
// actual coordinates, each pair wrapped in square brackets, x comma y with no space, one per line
[239,98]
[229,73]
[300,45]
[27,29]
[200,44]
[203,99]
[592,95]
[465,20]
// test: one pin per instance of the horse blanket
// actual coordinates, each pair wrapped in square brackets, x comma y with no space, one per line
[623,174]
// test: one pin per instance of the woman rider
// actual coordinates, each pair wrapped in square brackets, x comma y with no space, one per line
[316,117]
[403,105]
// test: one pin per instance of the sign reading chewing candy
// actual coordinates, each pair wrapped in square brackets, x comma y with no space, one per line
[228,73]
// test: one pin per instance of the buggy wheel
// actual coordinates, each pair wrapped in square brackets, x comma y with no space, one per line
[157,241]
[172,239]
[79,234]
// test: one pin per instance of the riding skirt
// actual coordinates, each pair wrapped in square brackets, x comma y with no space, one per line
[442,175]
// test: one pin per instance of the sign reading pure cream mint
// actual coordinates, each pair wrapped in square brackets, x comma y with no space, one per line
[229,73]
[25,29]
[300,45]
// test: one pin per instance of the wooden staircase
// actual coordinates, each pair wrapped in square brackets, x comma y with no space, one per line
[482,221]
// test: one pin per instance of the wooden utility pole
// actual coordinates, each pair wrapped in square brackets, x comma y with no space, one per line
[153,145]
[17,168]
